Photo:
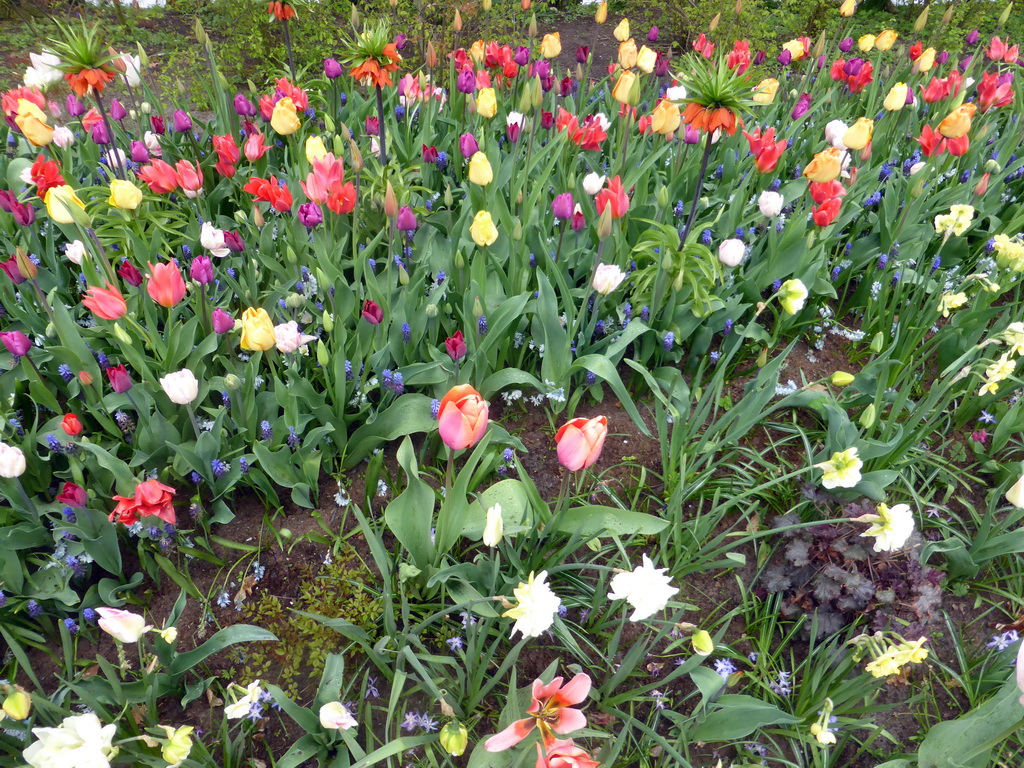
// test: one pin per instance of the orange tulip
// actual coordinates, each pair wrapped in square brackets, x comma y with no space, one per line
[107,303]
[825,166]
[462,417]
[165,285]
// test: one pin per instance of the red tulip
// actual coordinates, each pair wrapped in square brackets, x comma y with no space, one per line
[765,149]
[615,195]
[826,213]
[462,417]
[455,346]
[71,425]
[372,313]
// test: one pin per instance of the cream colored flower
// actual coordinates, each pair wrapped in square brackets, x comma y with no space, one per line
[950,301]
[890,527]
[646,588]
[536,606]
[842,470]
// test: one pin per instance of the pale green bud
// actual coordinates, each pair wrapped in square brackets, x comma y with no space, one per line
[430,310]
[232,382]
[867,417]
[454,738]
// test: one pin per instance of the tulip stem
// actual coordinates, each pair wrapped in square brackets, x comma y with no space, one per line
[112,156]
[380,128]
[192,418]
[700,187]
[449,475]
[288,46]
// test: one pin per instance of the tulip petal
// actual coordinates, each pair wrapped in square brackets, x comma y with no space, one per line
[573,692]
[511,736]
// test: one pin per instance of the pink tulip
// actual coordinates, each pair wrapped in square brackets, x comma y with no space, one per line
[580,442]
[462,417]
[550,710]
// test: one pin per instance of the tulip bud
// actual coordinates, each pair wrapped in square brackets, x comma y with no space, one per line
[982,186]
[538,93]
[533,24]
[487,5]
[232,382]
[517,230]
[322,356]
[602,13]
[867,417]
[357,156]
[677,283]
[918,189]
[526,101]
[739,7]
[327,321]
[458,21]
[948,15]
[662,196]
[714,22]
[877,342]
[478,309]
[762,358]
[25,265]
[403,276]
[449,200]
[121,335]
[842,378]
[18,704]
[257,217]
[50,332]
[819,46]
[454,738]
[604,223]
[390,202]
[294,301]
[460,261]
[992,166]
[702,643]
[922,20]
[430,310]
[290,256]
[1005,15]
[431,56]
[354,17]
[240,218]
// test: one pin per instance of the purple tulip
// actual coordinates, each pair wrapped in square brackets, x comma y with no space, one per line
[821,62]
[74,106]
[466,82]
[652,36]
[542,69]
[310,215]
[965,63]
[332,68]
[400,41]
[547,83]
[234,242]
[17,343]
[565,88]
[802,106]
[222,321]
[182,122]
[910,97]
[759,58]
[201,270]
[846,44]
[117,110]
[582,54]
[405,221]
[244,107]
[24,214]
[467,145]
[853,67]
[691,135]
[521,56]
[139,152]
[99,134]
[661,65]
[786,58]
[973,36]
[942,58]
[562,206]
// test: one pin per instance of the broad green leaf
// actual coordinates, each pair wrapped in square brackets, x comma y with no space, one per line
[594,519]
[736,716]
[225,638]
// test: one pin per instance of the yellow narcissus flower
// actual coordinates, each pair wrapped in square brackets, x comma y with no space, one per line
[482,229]
[32,123]
[998,372]
[646,59]
[480,172]
[825,166]
[866,43]
[896,99]
[859,134]
[627,54]
[178,744]
[956,221]
[257,330]
[886,39]
[842,470]
[61,202]
[124,195]
[823,734]
[765,91]
[623,90]
[621,32]
[486,103]
[551,45]
[792,296]
[951,301]
[315,149]
[284,120]
[1014,338]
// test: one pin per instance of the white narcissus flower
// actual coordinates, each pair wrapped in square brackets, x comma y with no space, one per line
[212,239]
[608,277]
[731,251]
[243,706]
[12,461]
[124,626]
[181,386]
[536,606]
[335,716]
[494,528]
[593,183]
[646,588]
[891,527]
[770,203]
[81,741]
[842,470]
[1016,493]
[834,133]
[75,251]
[288,338]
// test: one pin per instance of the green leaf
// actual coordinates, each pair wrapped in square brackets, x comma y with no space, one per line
[602,367]
[408,415]
[736,716]
[593,520]
[511,495]
[225,638]
[411,515]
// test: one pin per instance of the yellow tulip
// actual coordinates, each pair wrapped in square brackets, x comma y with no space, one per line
[825,166]
[482,229]
[796,49]
[315,149]
[623,90]
[858,135]
[926,61]
[476,52]
[124,195]
[551,45]
[285,120]
[627,54]
[480,172]
[886,39]
[764,93]
[602,13]
[486,103]
[621,32]
[896,99]
[61,202]
[32,123]
[866,43]
[257,330]
[958,122]
[665,119]
[847,8]
[646,59]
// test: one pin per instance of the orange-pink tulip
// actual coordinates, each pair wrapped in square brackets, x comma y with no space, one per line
[462,417]
[105,302]
[580,442]
[165,285]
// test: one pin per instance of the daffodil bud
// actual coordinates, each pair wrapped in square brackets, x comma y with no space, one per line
[702,643]
[121,334]
[322,355]
[430,310]
[232,382]
[867,417]
[842,378]
[454,738]
[877,342]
